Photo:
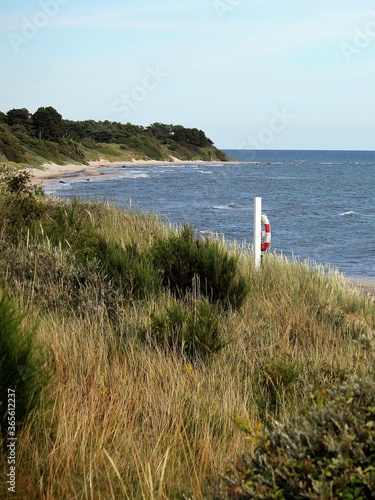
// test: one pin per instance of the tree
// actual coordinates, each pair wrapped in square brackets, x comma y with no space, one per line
[178,133]
[20,116]
[48,124]
[160,131]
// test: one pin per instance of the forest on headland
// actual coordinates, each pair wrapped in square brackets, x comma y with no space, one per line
[31,139]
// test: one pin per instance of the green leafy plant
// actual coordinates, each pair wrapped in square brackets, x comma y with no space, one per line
[181,257]
[189,328]
[21,204]
[327,453]
[127,268]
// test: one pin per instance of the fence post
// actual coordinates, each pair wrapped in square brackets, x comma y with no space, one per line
[257,232]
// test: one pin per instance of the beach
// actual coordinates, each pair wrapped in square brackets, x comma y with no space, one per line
[366,287]
[52,171]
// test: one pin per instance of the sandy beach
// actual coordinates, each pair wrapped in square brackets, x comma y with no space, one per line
[366,287]
[52,171]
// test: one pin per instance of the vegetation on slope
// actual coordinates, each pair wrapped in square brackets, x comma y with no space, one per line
[33,139]
[159,365]
[328,453]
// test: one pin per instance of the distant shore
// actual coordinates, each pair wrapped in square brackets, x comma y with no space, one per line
[52,171]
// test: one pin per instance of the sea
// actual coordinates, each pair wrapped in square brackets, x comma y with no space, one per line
[320,204]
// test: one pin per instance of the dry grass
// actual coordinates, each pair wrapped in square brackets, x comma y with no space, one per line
[128,420]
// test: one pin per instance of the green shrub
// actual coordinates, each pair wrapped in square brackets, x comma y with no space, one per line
[19,182]
[72,149]
[127,269]
[21,368]
[130,270]
[191,329]
[21,204]
[181,257]
[328,453]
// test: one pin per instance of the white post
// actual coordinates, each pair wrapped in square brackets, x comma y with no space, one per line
[257,232]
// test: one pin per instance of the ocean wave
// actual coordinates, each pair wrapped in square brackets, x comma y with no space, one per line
[135,175]
[351,212]
[204,171]
[225,207]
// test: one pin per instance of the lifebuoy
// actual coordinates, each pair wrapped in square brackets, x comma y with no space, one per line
[266,234]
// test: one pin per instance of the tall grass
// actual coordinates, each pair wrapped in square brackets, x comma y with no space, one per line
[128,418]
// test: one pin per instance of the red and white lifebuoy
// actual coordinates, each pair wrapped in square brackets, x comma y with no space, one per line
[266,234]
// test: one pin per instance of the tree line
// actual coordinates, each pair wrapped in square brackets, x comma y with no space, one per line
[48,124]
[47,134]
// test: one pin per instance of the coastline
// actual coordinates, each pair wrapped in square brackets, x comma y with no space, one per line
[52,171]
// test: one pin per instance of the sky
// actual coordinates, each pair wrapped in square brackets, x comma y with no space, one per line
[253,74]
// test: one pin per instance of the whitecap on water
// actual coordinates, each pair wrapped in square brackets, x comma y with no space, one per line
[348,213]
[225,207]
[134,175]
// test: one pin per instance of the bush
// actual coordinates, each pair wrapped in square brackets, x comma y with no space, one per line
[72,149]
[21,204]
[188,328]
[181,257]
[21,368]
[329,453]
[127,269]
[19,182]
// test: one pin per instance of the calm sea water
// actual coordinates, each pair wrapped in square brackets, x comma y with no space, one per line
[321,204]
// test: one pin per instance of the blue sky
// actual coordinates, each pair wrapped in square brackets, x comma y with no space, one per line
[251,73]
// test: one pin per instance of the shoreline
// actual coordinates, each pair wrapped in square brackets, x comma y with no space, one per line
[52,171]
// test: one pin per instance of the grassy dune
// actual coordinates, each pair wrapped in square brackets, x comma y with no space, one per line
[129,411]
